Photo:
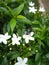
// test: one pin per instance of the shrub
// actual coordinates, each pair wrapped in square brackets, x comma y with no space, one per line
[24,33]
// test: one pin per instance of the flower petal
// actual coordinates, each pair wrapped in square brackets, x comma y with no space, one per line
[25,60]
[31,38]
[42,9]
[14,35]
[17,42]
[4,41]
[27,40]
[32,9]
[24,36]
[31,4]
[31,34]
[7,36]
[0,40]
[19,59]
[13,43]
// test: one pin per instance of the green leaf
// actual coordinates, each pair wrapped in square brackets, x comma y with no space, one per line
[47,55]
[44,28]
[31,62]
[18,9]
[37,29]
[10,10]
[38,63]
[37,57]
[12,24]
[4,10]
[48,28]
[23,19]
[10,1]
[13,55]
[35,22]
[5,61]
[6,28]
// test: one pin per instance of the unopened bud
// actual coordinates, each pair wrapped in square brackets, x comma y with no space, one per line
[10,49]
[36,50]
[29,49]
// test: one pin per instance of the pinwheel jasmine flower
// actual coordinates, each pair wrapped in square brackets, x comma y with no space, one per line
[4,38]
[41,9]
[28,37]
[32,9]
[16,40]
[21,61]
[31,3]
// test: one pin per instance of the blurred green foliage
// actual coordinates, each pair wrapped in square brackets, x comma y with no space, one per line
[15,18]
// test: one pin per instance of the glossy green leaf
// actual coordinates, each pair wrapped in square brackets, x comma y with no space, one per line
[12,24]
[18,10]
[23,19]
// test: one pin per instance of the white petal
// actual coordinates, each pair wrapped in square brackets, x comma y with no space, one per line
[32,33]
[17,42]
[27,40]
[25,60]
[1,35]
[24,36]
[31,4]
[31,38]
[14,35]
[19,59]
[7,36]
[0,40]
[4,41]
[13,43]
[32,9]
[41,9]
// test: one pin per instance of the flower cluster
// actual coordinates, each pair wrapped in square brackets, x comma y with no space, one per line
[33,9]
[4,38]
[28,37]
[41,9]
[16,39]
[21,61]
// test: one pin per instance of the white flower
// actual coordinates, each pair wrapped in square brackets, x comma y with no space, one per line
[4,38]
[32,9]
[28,37]
[16,40]
[21,61]
[41,9]
[31,3]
